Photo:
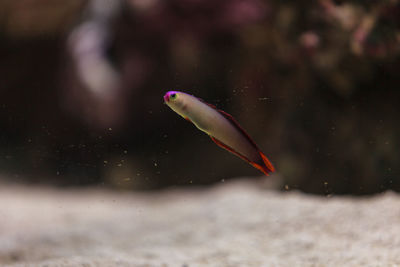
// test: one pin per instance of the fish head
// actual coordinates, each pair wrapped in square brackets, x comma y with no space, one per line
[171,97]
[174,99]
[177,101]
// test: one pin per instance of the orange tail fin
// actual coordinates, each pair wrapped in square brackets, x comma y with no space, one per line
[267,167]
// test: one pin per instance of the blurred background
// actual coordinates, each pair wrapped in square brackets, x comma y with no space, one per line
[315,83]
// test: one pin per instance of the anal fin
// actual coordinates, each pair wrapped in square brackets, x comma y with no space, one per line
[219,143]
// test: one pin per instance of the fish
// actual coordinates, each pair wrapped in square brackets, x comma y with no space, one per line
[222,128]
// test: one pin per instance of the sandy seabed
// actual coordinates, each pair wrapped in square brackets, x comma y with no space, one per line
[232,224]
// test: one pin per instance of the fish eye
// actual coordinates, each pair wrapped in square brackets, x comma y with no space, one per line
[173,96]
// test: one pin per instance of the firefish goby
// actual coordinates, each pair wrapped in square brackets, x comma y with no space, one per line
[223,129]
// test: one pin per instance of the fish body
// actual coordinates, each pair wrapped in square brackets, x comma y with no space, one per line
[220,126]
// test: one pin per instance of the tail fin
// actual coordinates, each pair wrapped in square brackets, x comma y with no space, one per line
[266,167]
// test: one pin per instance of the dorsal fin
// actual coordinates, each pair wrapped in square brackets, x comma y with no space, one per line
[231,119]
[234,122]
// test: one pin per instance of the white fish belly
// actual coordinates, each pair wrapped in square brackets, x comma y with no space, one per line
[210,121]
[224,131]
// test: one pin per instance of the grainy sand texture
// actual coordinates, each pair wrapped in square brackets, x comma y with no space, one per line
[232,224]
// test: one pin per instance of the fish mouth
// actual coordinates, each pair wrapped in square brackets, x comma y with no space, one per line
[166,97]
